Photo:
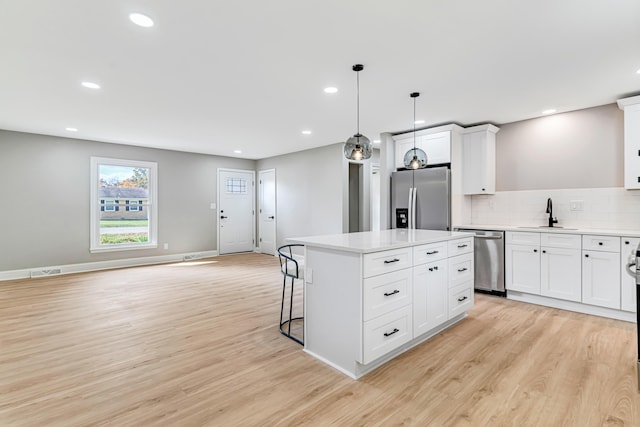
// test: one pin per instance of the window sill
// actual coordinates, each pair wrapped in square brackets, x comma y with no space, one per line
[119,248]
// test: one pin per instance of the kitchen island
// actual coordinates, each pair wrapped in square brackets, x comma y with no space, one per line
[370,296]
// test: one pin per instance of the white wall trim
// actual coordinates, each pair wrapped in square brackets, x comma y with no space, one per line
[106,265]
[572,306]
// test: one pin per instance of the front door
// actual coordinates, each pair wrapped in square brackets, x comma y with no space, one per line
[236,212]
[267,209]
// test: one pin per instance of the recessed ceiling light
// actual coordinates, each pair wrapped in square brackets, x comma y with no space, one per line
[549,111]
[306,132]
[91,85]
[376,141]
[638,72]
[237,151]
[71,129]
[141,20]
[419,122]
[330,89]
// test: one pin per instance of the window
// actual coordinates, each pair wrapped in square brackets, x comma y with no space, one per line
[123,204]
[236,185]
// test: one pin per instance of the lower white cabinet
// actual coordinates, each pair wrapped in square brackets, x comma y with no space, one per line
[460,299]
[601,279]
[429,296]
[560,273]
[522,268]
[387,332]
[628,247]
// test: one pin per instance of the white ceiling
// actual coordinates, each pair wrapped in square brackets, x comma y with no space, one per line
[215,76]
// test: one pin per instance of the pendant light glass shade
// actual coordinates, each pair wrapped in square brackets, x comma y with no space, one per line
[358,147]
[415,158]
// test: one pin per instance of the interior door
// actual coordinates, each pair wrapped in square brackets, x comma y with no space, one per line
[267,210]
[236,211]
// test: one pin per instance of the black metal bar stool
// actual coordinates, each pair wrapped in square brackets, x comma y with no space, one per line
[293,269]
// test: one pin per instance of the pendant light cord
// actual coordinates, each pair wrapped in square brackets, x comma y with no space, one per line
[414,125]
[358,101]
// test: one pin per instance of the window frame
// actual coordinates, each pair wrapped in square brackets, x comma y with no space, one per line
[152,204]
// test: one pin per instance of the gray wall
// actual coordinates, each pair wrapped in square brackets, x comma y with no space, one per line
[309,191]
[44,199]
[579,149]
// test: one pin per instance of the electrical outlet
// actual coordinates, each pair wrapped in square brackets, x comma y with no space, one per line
[576,205]
[166,246]
[308,274]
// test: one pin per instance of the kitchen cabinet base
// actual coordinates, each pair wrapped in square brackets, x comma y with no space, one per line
[572,306]
[357,370]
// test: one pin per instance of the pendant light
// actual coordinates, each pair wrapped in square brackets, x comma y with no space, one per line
[358,147]
[415,158]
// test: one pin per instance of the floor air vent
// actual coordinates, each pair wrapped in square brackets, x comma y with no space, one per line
[191,257]
[45,272]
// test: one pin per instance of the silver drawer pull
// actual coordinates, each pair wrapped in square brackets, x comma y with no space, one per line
[389,261]
[388,334]
[460,270]
[462,298]
[462,246]
[388,294]
[432,253]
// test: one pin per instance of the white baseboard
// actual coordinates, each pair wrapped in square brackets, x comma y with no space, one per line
[101,265]
[572,306]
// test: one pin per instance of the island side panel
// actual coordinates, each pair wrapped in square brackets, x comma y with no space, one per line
[333,306]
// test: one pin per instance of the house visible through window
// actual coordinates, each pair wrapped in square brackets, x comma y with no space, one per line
[123,206]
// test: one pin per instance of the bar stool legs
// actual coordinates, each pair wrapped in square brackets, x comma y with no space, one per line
[287,323]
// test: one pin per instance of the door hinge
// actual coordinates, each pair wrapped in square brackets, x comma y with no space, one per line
[260,182]
[261,240]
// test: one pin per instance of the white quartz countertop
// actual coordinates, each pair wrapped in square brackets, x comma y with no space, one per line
[556,229]
[376,241]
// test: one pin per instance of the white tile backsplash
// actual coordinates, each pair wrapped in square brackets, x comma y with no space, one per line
[606,208]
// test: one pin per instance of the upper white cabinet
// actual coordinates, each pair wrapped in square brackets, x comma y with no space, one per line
[479,160]
[436,143]
[631,107]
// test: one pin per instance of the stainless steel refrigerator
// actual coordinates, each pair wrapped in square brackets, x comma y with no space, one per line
[421,199]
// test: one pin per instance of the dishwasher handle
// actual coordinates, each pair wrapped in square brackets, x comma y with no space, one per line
[480,236]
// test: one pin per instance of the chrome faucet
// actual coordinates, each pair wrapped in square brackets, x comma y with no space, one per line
[552,220]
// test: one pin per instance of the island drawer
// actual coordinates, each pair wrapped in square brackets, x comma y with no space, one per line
[460,299]
[431,252]
[601,243]
[460,269]
[460,246]
[386,292]
[386,261]
[386,333]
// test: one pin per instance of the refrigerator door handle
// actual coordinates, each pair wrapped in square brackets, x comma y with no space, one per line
[413,208]
[409,208]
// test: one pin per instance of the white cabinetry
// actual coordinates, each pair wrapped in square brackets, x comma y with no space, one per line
[437,146]
[522,262]
[601,271]
[560,266]
[429,296]
[479,160]
[631,107]
[543,264]
[628,247]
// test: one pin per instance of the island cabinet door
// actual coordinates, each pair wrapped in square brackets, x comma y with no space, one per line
[430,307]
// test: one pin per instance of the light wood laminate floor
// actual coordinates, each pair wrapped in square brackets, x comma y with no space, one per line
[194,344]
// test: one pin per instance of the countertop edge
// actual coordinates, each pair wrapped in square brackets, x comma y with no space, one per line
[309,241]
[536,229]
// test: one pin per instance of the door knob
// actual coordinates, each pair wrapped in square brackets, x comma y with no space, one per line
[272,217]
[222,217]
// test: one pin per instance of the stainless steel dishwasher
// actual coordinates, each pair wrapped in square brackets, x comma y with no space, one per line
[489,261]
